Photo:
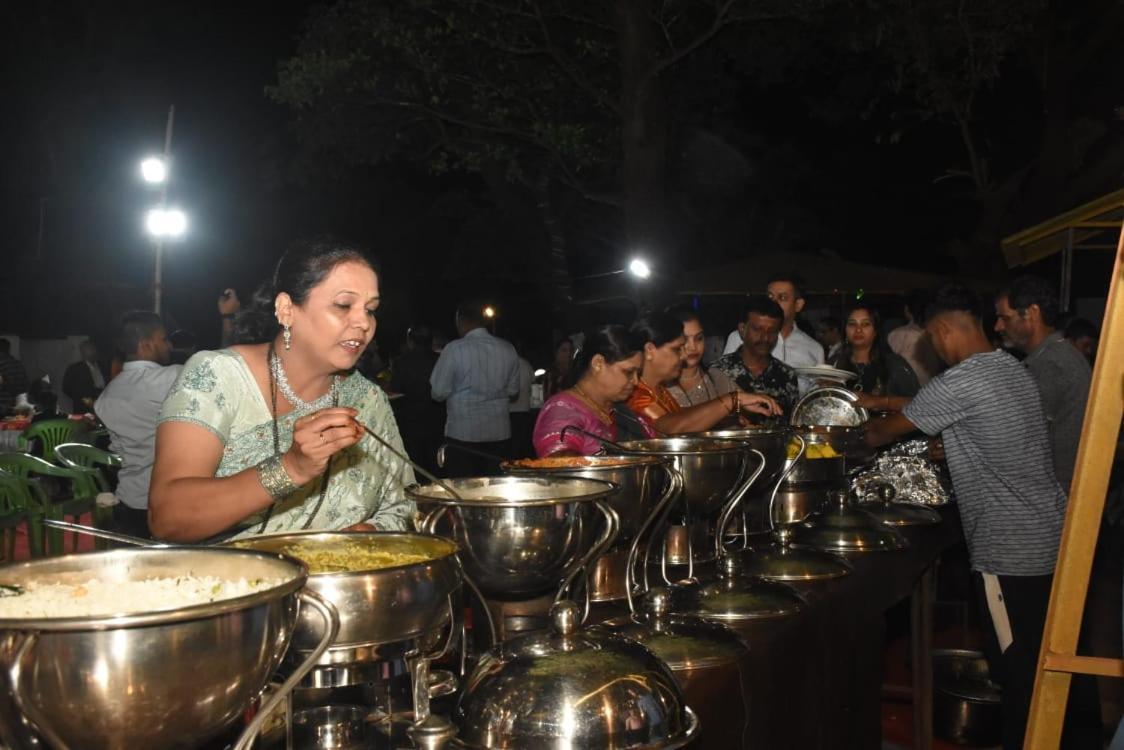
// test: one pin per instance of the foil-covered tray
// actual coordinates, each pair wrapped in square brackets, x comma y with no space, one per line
[905,466]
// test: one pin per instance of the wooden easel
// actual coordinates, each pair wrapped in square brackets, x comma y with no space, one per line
[1058,659]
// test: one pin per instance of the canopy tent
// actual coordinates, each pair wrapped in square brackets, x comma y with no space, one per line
[822,274]
[1093,226]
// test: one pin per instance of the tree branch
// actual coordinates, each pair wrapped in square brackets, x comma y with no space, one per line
[571,72]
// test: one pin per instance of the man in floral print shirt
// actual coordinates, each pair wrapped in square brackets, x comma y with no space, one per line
[753,367]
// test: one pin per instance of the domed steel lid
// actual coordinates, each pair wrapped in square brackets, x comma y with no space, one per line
[899,514]
[842,527]
[735,597]
[572,688]
[778,560]
[683,642]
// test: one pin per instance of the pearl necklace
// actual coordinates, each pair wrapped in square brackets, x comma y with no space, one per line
[300,406]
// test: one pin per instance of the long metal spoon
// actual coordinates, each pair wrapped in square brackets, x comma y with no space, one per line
[112,536]
[417,467]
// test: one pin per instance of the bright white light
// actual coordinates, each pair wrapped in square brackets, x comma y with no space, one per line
[154,170]
[169,222]
[489,311]
[540,372]
[639,268]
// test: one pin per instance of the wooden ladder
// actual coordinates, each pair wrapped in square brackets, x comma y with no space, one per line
[1058,659]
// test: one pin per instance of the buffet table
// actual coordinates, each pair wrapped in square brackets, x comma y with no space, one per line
[815,678]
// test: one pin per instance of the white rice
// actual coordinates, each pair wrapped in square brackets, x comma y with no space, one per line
[96,598]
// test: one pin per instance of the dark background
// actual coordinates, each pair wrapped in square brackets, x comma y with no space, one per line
[806,146]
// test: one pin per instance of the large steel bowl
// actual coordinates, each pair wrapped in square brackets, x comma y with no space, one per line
[519,537]
[711,469]
[376,607]
[640,479]
[771,441]
[167,679]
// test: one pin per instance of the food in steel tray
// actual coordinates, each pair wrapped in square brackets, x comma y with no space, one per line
[567,462]
[351,557]
[813,450]
[96,598]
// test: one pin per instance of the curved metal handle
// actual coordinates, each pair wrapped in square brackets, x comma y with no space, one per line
[492,632]
[604,443]
[653,522]
[736,501]
[37,720]
[784,476]
[608,536]
[442,453]
[331,631]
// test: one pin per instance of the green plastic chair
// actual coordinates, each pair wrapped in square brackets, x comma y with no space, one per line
[88,459]
[51,433]
[29,469]
[13,512]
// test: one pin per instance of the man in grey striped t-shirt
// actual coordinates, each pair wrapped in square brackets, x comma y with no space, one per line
[987,411]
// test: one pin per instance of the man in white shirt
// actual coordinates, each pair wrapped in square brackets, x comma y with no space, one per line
[794,347]
[129,406]
[476,376]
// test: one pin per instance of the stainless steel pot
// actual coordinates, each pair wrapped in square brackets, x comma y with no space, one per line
[966,703]
[712,470]
[521,537]
[770,441]
[641,480]
[573,689]
[376,607]
[167,679]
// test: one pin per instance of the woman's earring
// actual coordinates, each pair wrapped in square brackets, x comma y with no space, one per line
[287,334]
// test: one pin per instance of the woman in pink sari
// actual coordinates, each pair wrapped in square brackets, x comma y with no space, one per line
[605,370]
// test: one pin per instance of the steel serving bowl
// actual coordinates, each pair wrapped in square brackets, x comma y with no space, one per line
[376,607]
[167,679]
[519,537]
[771,441]
[573,689]
[711,469]
[640,479]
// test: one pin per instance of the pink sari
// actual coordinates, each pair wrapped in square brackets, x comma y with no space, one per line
[560,410]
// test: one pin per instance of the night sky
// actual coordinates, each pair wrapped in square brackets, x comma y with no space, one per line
[88,85]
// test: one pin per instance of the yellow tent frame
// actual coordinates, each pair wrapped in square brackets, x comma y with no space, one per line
[1093,226]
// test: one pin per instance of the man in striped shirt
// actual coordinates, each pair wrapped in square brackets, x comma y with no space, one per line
[987,411]
[476,376]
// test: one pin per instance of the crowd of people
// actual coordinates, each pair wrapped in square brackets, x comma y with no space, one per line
[281,430]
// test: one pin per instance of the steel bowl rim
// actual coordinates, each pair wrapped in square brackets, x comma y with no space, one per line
[607,488]
[160,617]
[728,446]
[452,552]
[743,434]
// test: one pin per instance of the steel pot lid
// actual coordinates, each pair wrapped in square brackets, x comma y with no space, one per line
[778,560]
[683,642]
[899,514]
[735,597]
[842,527]
[511,491]
[829,406]
[964,674]
[572,688]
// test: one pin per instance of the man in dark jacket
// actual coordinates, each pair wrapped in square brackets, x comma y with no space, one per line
[84,380]
[420,418]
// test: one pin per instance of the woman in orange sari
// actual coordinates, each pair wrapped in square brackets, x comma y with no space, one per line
[662,363]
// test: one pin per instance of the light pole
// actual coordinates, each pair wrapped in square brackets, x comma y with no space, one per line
[161,222]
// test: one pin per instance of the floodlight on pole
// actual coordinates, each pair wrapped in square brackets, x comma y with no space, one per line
[489,312]
[639,268]
[154,170]
[165,222]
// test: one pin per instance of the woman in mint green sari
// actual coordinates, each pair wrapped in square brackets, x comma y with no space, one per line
[267,437]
